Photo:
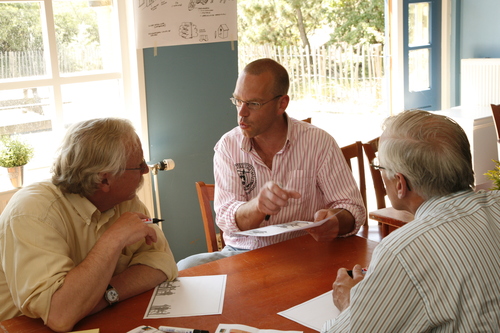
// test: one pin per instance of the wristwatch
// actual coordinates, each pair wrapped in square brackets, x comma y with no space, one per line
[111,295]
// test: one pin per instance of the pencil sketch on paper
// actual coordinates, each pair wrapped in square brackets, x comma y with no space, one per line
[277,229]
[164,289]
[174,298]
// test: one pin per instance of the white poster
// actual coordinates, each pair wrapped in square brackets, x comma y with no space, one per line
[180,22]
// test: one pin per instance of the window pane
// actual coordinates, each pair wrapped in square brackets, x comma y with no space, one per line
[91,100]
[25,110]
[419,70]
[418,24]
[21,40]
[28,114]
[86,40]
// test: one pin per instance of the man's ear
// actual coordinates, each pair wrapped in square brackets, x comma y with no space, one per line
[402,186]
[283,103]
[104,184]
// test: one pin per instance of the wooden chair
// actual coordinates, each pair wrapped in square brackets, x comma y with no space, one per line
[388,217]
[495,108]
[355,150]
[215,241]
[307,120]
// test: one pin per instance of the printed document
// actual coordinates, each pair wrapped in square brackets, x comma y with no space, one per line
[188,296]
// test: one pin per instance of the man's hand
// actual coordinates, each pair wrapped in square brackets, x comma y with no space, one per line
[272,198]
[341,222]
[343,285]
[129,228]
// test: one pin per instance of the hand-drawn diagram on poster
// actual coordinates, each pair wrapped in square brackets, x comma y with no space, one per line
[179,22]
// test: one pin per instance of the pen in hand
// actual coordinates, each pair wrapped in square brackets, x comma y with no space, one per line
[150,221]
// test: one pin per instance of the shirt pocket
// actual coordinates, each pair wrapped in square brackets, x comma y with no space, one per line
[303,182]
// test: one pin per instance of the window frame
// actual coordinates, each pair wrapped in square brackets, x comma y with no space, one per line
[130,74]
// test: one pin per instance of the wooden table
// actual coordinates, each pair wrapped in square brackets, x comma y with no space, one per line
[260,284]
[391,218]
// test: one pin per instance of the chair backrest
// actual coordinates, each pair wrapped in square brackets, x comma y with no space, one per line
[355,150]
[307,120]
[495,108]
[205,197]
[371,149]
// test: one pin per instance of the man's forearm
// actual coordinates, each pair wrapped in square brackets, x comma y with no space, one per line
[131,282]
[83,287]
[248,216]
[347,222]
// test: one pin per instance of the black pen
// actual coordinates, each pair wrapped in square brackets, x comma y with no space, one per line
[180,330]
[154,220]
[363,271]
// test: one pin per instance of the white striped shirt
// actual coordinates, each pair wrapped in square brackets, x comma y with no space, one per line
[439,273]
[310,162]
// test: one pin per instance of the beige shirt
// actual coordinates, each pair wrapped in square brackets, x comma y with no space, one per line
[45,233]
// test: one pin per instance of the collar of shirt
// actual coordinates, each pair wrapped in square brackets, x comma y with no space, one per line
[87,211]
[431,204]
[247,144]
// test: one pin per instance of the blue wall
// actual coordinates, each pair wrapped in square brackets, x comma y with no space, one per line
[187,91]
[477,35]
[480,29]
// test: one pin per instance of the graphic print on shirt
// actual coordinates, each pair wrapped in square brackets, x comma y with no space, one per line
[246,172]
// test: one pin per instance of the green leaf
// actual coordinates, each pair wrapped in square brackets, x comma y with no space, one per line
[14,152]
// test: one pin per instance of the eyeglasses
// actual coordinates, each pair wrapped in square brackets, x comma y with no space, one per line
[375,165]
[251,105]
[144,167]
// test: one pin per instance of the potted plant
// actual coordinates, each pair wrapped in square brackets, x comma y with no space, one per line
[494,175]
[14,154]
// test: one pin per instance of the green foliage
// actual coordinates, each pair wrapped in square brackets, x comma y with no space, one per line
[21,28]
[279,22]
[14,152]
[358,21]
[74,20]
[494,176]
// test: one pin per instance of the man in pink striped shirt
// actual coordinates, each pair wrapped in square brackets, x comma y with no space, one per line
[273,169]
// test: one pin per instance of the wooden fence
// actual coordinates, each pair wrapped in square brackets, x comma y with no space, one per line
[339,73]
[32,63]
[333,74]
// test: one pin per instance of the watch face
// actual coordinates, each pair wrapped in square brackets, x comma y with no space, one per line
[112,295]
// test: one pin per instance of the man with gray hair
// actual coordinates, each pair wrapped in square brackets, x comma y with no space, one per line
[72,246]
[438,273]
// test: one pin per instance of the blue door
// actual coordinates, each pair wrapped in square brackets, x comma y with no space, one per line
[422,51]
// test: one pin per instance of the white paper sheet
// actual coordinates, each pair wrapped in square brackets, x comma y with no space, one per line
[277,229]
[188,296]
[313,313]
[235,328]
[164,23]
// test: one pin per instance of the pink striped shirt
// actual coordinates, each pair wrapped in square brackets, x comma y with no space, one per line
[310,162]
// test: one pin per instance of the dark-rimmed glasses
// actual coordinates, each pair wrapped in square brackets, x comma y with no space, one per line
[251,105]
[376,165]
